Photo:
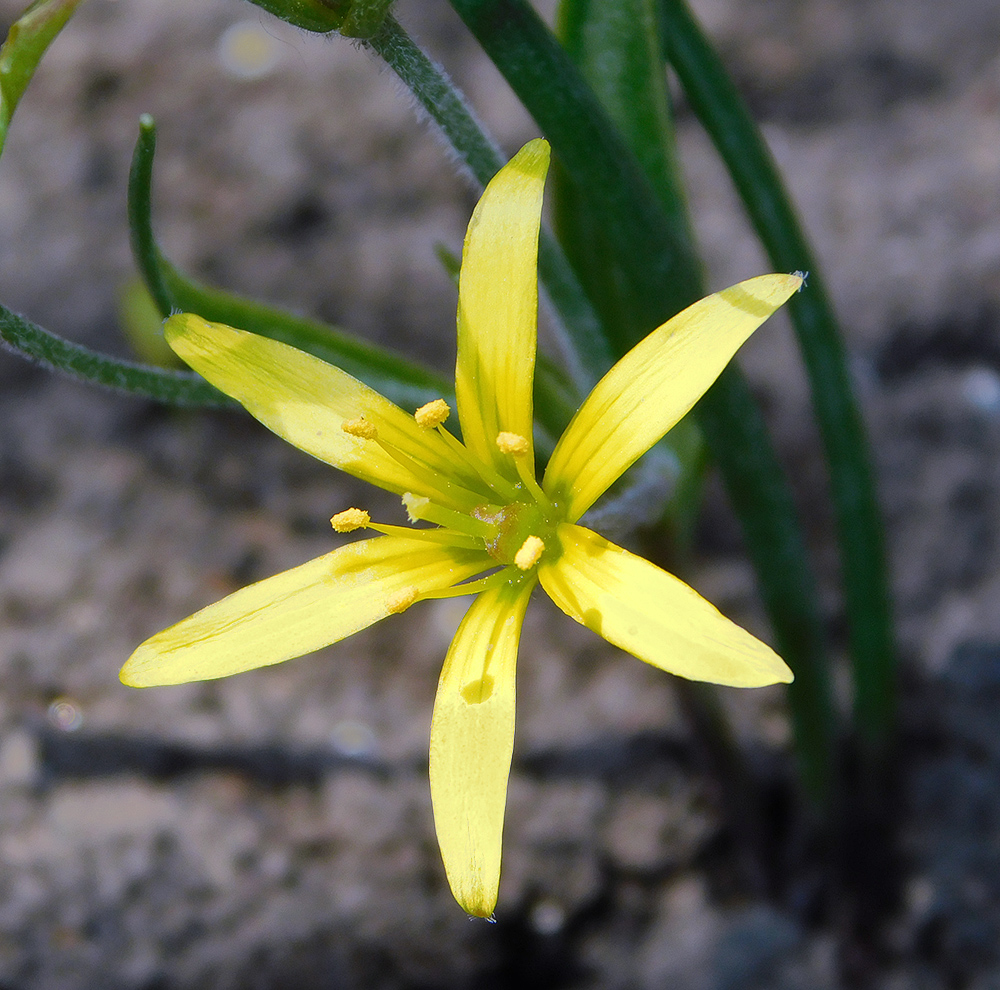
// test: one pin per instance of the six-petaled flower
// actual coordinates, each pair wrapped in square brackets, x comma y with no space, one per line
[487,525]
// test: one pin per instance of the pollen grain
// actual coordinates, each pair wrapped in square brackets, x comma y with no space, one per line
[360,427]
[512,443]
[529,554]
[401,600]
[432,414]
[350,520]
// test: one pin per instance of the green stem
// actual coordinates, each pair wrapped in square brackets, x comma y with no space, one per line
[476,149]
[176,387]
[722,111]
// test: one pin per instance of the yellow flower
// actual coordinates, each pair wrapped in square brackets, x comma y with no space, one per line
[495,530]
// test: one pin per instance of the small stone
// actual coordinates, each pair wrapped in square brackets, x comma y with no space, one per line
[18,760]
[247,51]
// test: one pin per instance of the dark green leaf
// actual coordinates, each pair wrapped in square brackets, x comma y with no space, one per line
[724,115]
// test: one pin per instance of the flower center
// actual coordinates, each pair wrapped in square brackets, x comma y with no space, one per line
[513,532]
[520,533]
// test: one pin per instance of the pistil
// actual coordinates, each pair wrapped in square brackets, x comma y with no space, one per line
[418,507]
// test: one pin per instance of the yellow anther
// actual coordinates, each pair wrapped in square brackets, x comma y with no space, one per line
[350,520]
[432,414]
[529,554]
[360,427]
[512,443]
[401,601]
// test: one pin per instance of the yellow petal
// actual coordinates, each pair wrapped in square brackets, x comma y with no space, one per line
[306,401]
[299,611]
[653,615]
[498,306]
[653,386]
[472,739]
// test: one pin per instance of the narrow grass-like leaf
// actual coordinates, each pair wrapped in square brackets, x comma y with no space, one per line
[403,381]
[722,111]
[617,50]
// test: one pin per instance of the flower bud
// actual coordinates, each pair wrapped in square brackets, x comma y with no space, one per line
[353,18]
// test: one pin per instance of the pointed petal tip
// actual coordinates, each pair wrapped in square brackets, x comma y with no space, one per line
[475,901]
[783,674]
[771,669]
[140,669]
[131,674]
[763,294]
[537,149]
[532,160]
[475,894]
[795,282]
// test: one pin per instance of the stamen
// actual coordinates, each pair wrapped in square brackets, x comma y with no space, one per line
[529,554]
[349,520]
[401,600]
[432,480]
[360,427]
[438,535]
[485,472]
[512,443]
[432,414]
[473,587]
[516,446]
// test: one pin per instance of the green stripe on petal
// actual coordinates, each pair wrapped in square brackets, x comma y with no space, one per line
[498,306]
[300,610]
[653,386]
[305,401]
[472,740]
[653,615]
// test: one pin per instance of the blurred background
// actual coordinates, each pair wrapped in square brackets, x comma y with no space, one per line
[274,830]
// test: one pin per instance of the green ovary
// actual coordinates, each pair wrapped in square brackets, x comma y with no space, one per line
[513,524]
